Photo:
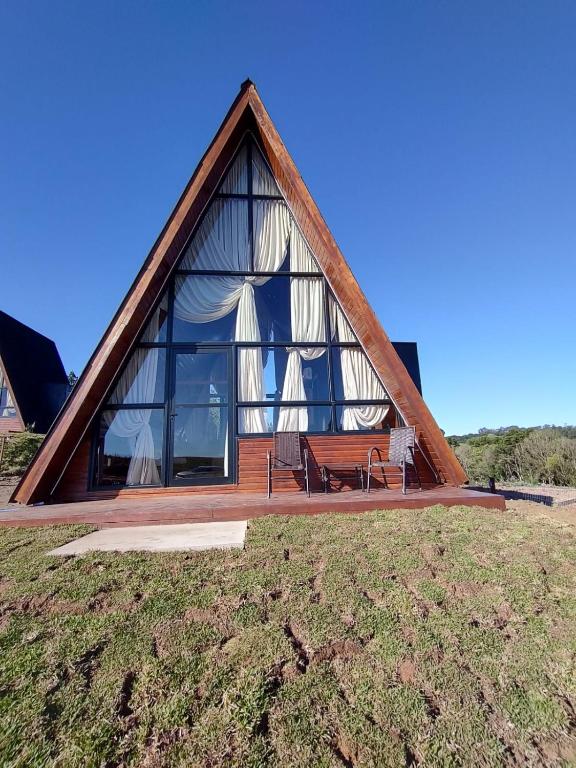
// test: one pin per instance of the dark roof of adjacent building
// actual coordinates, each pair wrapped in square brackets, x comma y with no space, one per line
[408,352]
[34,369]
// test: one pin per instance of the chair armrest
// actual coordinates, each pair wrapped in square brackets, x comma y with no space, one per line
[371,451]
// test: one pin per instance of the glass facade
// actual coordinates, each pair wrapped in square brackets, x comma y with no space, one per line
[7,409]
[246,340]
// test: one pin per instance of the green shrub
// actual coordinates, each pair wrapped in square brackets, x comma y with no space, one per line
[546,456]
[532,455]
[19,452]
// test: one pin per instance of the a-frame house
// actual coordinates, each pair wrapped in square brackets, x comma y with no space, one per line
[245,319]
[33,382]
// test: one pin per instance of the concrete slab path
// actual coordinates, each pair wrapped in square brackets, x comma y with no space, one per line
[159,538]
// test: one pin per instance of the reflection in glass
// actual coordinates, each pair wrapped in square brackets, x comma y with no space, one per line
[273,309]
[130,447]
[200,443]
[274,363]
[201,378]
[319,417]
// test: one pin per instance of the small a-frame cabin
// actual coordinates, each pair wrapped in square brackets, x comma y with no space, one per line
[33,382]
[244,320]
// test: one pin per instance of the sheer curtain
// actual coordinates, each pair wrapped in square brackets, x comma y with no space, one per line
[7,407]
[308,326]
[358,378]
[137,385]
[222,243]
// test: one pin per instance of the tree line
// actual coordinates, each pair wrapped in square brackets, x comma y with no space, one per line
[531,455]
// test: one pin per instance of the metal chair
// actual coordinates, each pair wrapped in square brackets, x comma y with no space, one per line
[400,455]
[287,456]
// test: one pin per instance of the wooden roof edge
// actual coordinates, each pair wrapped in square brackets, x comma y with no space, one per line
[455,472]
[25,489]
[247,97]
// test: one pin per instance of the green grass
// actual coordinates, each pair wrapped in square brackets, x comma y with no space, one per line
[433,638]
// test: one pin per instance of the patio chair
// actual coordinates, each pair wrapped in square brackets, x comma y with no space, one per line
[287,456]
[400,456]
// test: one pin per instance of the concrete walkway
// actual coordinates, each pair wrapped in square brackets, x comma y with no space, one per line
[159,538]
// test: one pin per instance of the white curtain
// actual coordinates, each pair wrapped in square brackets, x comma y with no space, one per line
[8,406]
[308,326]
[262,180]
[236,181]
[358,378]
[360,383]
[222,243]
[154,331]
[137,385]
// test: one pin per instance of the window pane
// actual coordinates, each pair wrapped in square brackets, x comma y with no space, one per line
[313,373]
[7,409]
[339,327]
[365,417]
[236,181]
[201,378]
[221,241]
[263,183]
[130,447]
[301,257]
[354,377]
[271,221]
[273,309]
[311,418]
[142,380]
[204,308]
[200,443]
[156,329]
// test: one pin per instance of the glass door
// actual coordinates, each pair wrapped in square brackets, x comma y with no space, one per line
[200,417]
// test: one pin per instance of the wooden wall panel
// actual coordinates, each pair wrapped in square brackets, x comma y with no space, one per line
[10,424]
[251,469]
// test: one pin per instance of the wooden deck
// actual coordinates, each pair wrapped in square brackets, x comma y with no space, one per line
[241,506]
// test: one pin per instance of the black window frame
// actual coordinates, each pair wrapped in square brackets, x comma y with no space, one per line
[172,346]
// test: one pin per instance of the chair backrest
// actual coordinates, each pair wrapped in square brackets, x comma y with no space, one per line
[401,439]
[287,451]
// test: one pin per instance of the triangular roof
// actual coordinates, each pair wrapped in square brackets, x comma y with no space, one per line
[34,371]
[246,113]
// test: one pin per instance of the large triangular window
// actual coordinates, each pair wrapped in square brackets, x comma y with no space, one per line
[246,340]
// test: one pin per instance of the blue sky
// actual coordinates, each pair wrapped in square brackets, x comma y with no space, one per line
[438,139]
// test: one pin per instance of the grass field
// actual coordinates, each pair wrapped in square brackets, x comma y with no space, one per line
[433,638]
